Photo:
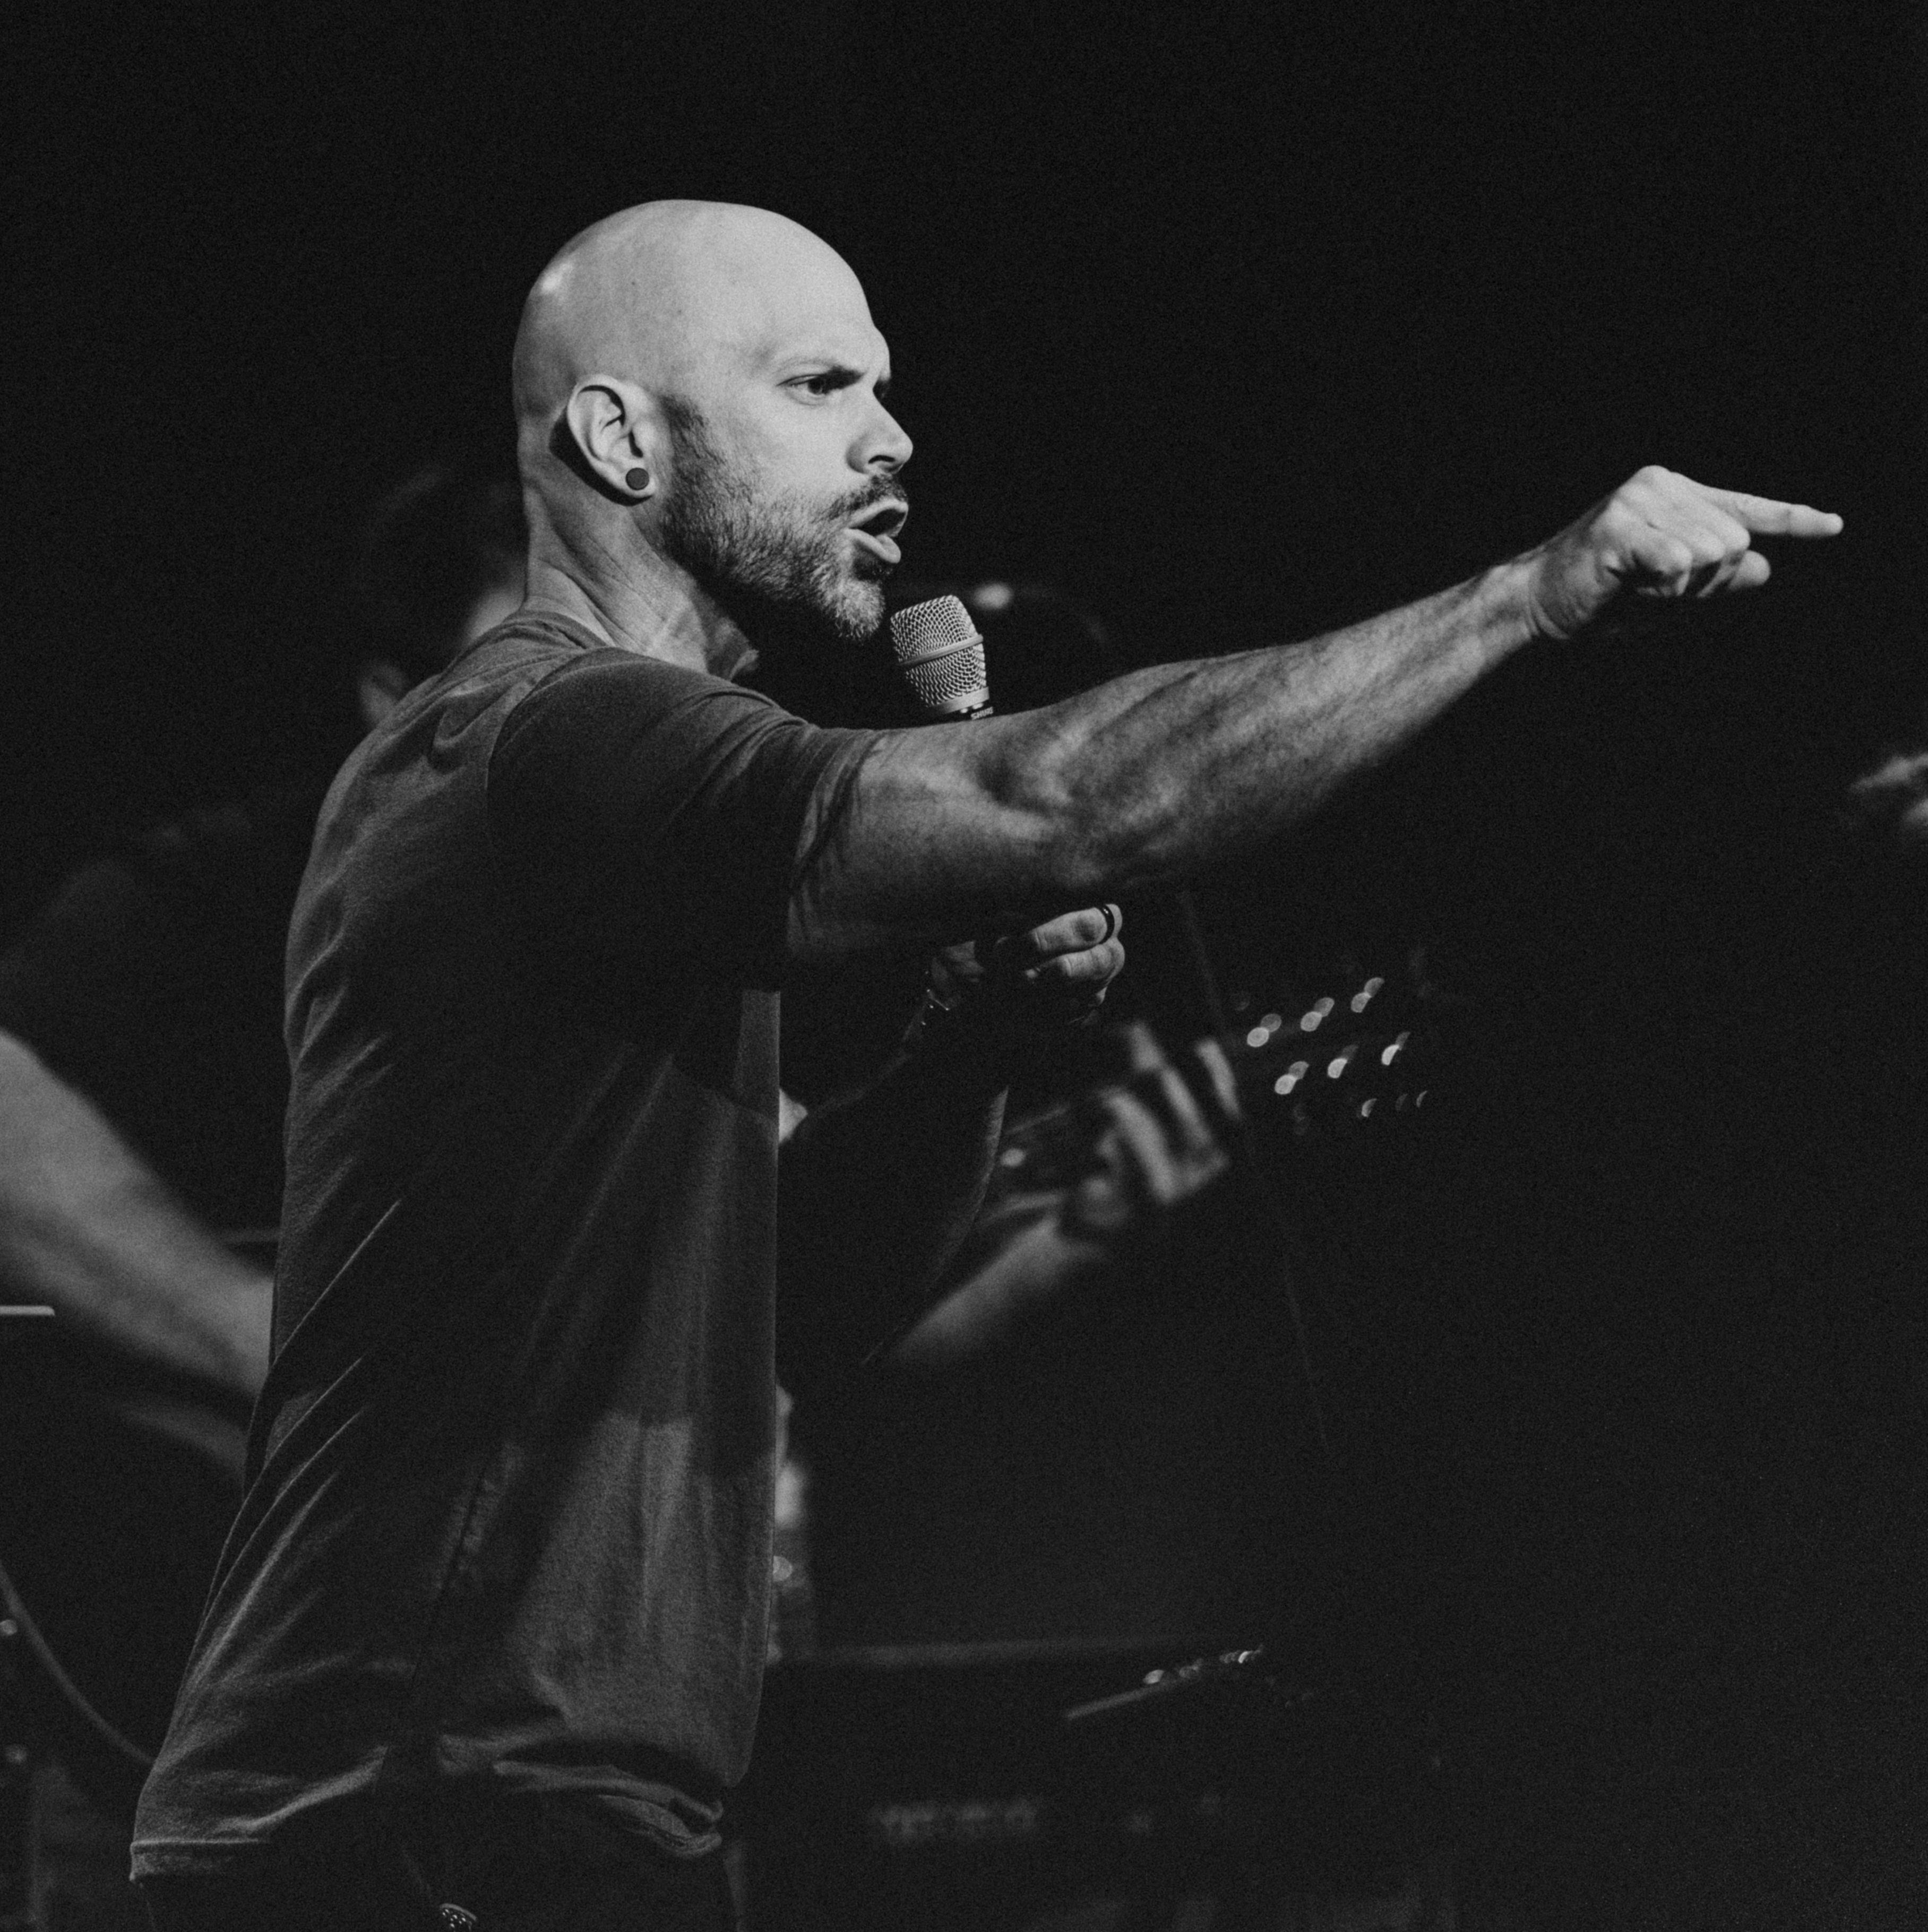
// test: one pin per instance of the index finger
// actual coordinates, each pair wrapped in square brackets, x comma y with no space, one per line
[1767,517]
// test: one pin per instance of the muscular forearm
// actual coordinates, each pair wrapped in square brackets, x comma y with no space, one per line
[86,1227]
[877,1193]
[1176,766]
[1171,770]
[1151,777]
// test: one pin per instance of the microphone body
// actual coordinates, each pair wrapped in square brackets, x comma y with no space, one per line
[942,656]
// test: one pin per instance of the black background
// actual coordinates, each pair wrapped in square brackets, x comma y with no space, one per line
[1237,322]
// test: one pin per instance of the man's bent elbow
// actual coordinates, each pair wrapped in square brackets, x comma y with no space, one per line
[1102,851]
[1088,843]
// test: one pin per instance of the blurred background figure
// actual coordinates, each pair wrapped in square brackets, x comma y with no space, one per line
[439,562]
[142,1083]
[1139,1148]
[1089,1436]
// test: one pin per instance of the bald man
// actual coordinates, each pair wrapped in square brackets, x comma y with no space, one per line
[488,1634]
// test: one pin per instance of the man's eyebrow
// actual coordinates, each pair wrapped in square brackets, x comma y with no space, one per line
[846,374]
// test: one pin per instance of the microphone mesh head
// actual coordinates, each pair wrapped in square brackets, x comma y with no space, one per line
[942,656]
[922,630]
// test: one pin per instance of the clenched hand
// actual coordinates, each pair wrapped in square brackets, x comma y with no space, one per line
[1054,975]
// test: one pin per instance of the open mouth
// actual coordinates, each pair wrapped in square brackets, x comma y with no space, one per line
[876,528]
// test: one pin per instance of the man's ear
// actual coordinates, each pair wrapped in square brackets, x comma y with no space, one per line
[380,685]
[612,425]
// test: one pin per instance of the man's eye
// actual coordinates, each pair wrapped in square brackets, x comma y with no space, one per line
[827,384]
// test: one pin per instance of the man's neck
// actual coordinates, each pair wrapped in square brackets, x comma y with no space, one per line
[642,604]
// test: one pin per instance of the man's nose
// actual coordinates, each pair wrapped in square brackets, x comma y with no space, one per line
[885,447]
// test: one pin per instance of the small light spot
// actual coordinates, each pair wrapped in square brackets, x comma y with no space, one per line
[1257,1036]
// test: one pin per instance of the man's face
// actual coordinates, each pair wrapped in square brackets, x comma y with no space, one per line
[784,501]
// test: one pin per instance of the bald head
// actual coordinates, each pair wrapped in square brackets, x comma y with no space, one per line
[671,296]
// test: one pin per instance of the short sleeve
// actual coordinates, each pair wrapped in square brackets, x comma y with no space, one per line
[642,812]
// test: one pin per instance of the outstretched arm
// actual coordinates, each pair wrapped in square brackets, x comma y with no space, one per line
[1151,777]
[88,1228]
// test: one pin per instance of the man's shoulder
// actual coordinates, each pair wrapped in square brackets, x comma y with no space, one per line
[513,657]
[455,715]
[539,700]
[533,649]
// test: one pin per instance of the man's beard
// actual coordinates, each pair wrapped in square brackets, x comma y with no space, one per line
[774,566]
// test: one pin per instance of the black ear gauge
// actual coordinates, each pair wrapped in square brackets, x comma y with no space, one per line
[637,479]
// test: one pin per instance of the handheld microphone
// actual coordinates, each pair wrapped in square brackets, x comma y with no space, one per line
[942,656]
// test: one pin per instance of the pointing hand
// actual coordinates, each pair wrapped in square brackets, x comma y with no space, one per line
[1659,536]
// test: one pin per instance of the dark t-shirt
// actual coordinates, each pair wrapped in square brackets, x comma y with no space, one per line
[508,1530]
